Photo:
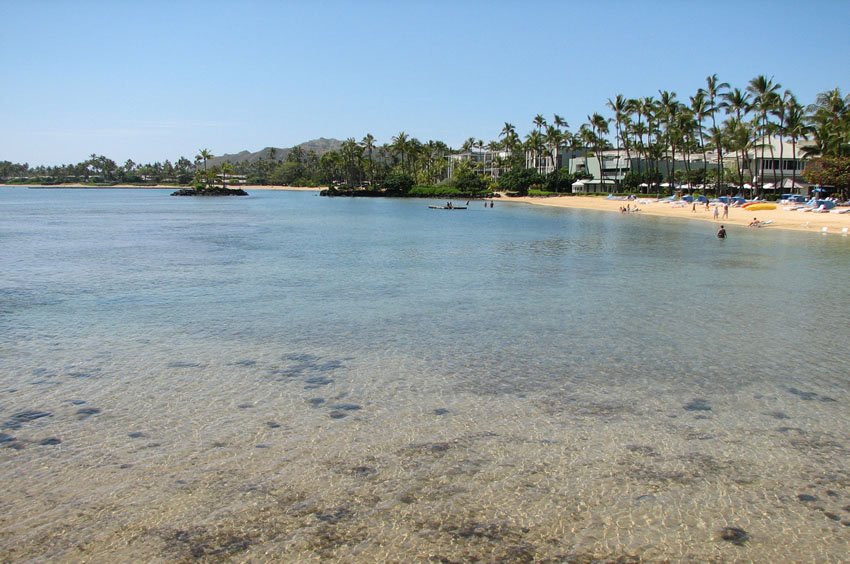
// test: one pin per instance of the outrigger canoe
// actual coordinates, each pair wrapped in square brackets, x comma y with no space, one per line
[447,207]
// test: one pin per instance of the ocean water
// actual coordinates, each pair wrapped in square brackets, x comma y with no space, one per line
[286,377]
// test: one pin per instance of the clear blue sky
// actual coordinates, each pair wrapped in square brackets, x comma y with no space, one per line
[153,80]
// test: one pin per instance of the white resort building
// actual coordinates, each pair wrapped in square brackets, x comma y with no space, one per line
[772,166]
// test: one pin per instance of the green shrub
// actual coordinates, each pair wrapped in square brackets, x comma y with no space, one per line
[520,180]
[435,192]
[398,183]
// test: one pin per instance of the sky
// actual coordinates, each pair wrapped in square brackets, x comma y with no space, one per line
[154,80]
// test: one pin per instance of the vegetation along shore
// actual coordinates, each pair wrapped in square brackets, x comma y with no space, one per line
[755,140]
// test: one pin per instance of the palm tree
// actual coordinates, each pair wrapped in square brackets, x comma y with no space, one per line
[830,121]
[552,140]
[204,155]
[368,143]
[620,106]
[683,134]
[700,110]
[599,127]
[714,90]
[796,128]
[511,140]
[736,102]
[533,147]
[226,168]
[560,122]
[400,145]
[509,133]
[540,122]
[669,107]
[765,98]
[652,110]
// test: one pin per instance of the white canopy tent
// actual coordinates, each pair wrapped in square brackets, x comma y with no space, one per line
[594,186]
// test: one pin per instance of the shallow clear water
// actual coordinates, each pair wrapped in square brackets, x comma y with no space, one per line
[291,377]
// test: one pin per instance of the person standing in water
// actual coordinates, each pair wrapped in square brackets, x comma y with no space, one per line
[721,233]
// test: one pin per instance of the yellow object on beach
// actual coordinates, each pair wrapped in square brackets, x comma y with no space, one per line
[756,207]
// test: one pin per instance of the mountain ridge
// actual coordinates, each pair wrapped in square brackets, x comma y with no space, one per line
[320,146]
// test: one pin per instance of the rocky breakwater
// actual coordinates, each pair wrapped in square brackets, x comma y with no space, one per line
[211,191]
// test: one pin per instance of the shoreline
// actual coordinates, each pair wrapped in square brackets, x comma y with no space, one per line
[75,186]
[738,217]
[780,218]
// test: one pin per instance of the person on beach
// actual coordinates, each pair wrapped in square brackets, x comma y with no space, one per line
[725,211]
[755,222]
[694,207]
[716,213]
[721,233]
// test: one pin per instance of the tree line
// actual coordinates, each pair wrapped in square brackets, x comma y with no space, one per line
[733,124]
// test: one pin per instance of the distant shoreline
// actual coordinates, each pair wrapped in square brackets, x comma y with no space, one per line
[780,218]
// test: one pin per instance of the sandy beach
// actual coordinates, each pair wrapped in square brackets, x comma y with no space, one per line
[780,218]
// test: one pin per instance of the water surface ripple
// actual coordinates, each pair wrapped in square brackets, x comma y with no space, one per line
[290,377]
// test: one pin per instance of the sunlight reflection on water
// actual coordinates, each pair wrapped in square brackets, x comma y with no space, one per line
[293,377]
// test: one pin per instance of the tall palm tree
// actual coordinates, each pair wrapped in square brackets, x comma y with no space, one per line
[652,110]
[830,121]
[533,147]
[226,168]
[561,126]
[715,90]
[400,145]
[509,133]
[540,122]
[669,107]
[511,141]
[599,126]
[368,143]
[559,122]
[684,135]
[553,139]
[737,103]
[620,106]
[765,99]
[205,155]
[796,128]
[700,110]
